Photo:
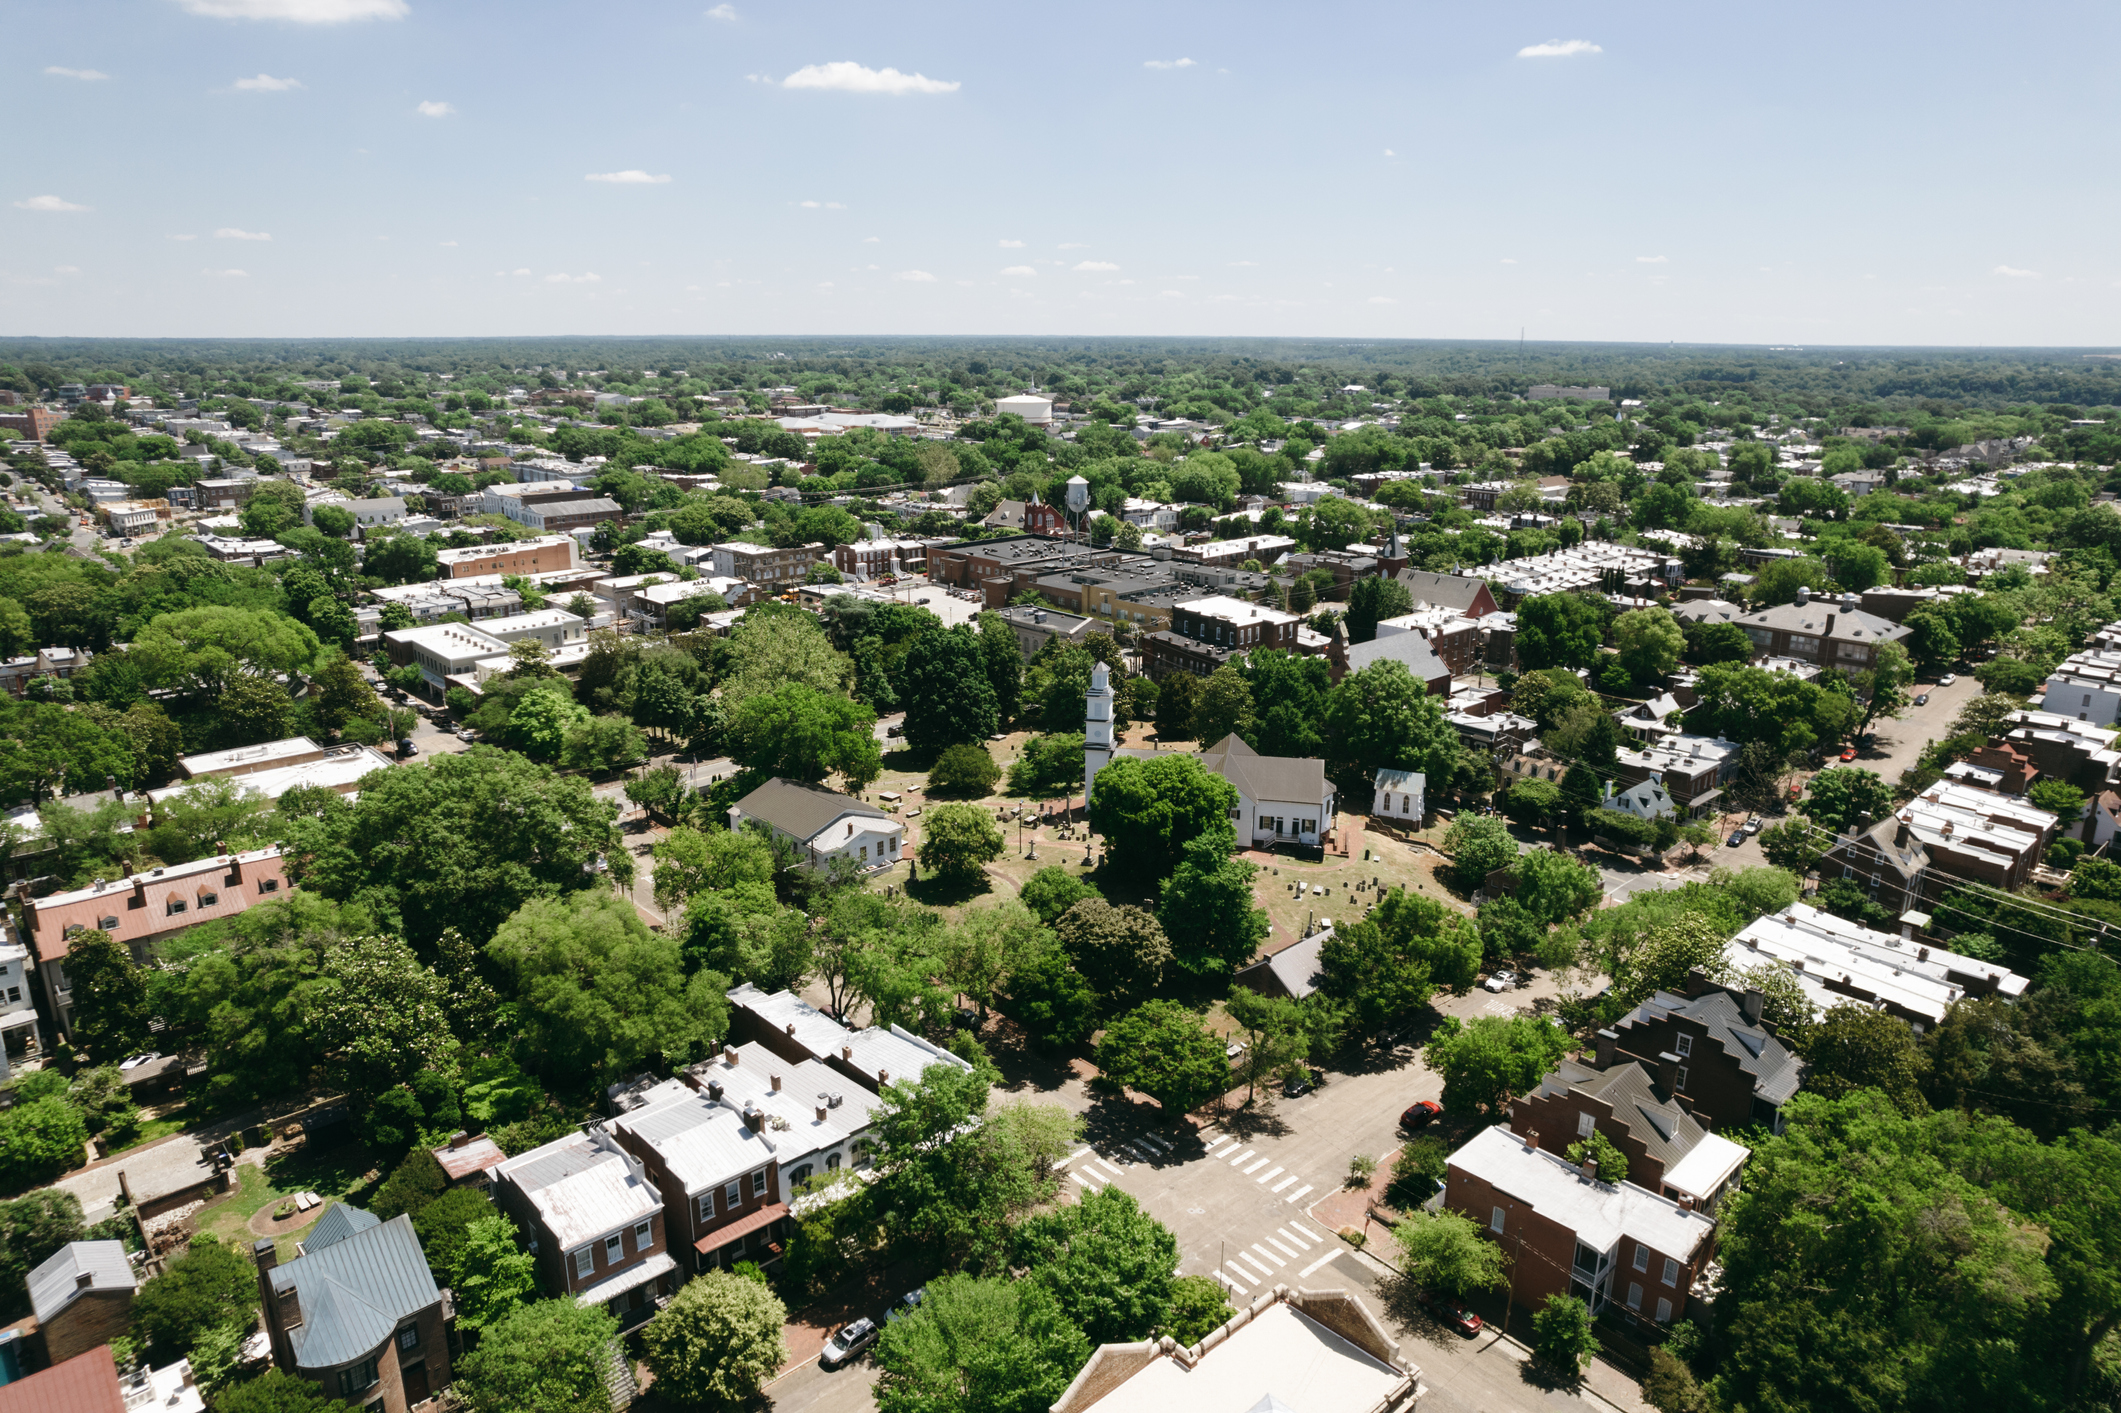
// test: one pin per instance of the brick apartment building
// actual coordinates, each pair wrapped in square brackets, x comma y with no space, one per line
[1205,633]
[765,565]
[598,1222]
[545,555]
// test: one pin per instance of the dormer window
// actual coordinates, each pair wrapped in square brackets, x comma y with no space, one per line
[207,900]
[176,905]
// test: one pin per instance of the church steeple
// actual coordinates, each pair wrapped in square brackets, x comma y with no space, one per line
[1097,727]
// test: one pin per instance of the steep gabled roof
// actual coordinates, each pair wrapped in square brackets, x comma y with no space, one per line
[339,1221]
[56,1284]
[1291,779]
[355,1292]
[802,810]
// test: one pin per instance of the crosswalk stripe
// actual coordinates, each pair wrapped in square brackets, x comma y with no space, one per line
[1102,1161]
[1141,1155]
[1230,1281]
[1278,1262]
[1257,1165]
[1079,1153]
[1218,1148]
[1284,1250]
[1298,1193]
[1251,1261]
[1152,1138]
[1303,1230]
[1271,1172]
[1300,1242]
[1283,1183]
[1242,1156]
[1316,1264]
[1086,1180]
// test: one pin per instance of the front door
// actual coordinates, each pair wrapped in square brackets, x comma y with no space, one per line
[415,1378]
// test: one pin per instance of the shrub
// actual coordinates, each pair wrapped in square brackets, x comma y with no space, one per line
[964,769]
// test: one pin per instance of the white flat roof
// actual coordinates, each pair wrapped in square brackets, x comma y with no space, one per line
[1280,1353]
[1707,1166]
[214,762]
[1818,947]
[1235,610]
[345,765]
[1600,1213]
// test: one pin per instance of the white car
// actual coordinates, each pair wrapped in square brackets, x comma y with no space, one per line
[134,1062]
[1500,982]
[848,1341]
[1947,679]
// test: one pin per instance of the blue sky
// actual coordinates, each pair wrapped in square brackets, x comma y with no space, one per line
[1798,173]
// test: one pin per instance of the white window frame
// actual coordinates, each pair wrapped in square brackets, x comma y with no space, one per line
[614,1248]
[1664,1311]
[1634,1295]
[1495,1221]
[643,1236]
[1671,1272]
[733,1195]
[1586,1124]
[1683,1046]
[577,1258]
[707,1206]
[1642,1257]
[758,1183]
[1679,1080]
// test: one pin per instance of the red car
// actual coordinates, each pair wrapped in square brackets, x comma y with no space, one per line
[1420,1113]
[1451,1313]
[1849,753]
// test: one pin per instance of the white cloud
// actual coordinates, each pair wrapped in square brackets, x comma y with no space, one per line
[1390,153]
[266,83]
[445,244]
[2013,272]
[872,240]
[48,203]
[1170,294]
[1167,63]
[811,204]
[1244,264]
[1653,259]
[1021,270]
[1382,299]
[435,108]
[558,278]
[66,269]
[919,277]
[632,176]
[1559,49]
[724,13]
[1508,261]
[1094,266]
[850,77]
[301,12]
[1010,244]
[227,274]
[232,233]
[86,75]
[523,272]
[1071,245]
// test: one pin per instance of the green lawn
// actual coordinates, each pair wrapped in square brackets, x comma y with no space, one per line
[336,1173]
[152,1129]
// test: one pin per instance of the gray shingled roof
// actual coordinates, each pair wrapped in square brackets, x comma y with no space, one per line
[1449,590]
[355,1292]
[1294,780]
[1657,1122]
[54,1285]
[1826,619]
[1776,1071]
[338,1222]
[1409,648]
[802,810]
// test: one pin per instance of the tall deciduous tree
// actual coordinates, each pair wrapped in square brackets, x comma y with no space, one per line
[1382,719]
[1120,949]
[802,733]
[1559,630]
[947,692]
[1108,1263]
[1388,965]
[957,840]
[1371,600]
[718,1341]
[1149,810]
[1207,909]
[979,1345]
[548,1357]
[1445,1252]
[1491,1060]
[1163,1050]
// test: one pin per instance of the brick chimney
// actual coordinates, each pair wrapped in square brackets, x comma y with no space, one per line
[1755,1001]
[1590,1168]
[846,1052]
[1668,1072]
[821,1113]
[776,1082]
[729,1056]
[1608,1039]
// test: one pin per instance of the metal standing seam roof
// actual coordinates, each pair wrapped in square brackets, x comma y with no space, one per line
[897,1054]
[789,1014]
[581,1189]
[338,1222]
[1280,779]
[1598,1212]
[703,1143]
[86,1383]
[355,1292]
[55,1284]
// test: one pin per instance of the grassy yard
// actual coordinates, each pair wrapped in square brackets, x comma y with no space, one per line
[340,1172]
[152,1129]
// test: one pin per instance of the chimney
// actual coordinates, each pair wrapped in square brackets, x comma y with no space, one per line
[1755,1001]
[1668,1072]
[753,1117]
[1900,833]
[846,1052]
[457,1140]
[883,1077]
[265,1253]
[83,1280]
[775,1080]
[1590,1169]
[821,1110]
[714,1090]
[1607,1040]
[729,1056]
[791,1030]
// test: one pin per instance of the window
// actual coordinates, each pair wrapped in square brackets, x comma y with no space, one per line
[207,900]
[1642,1257]
[269,885]
[585,1262]
[801,1172]
[1679,1080]
[732,1197]
[614,1249]
[865,853]
[706,1206]
[359,1377]
[1495,1221]
[1584,1124]
[1634,1295]
[176,905]
[832,1162]
[106,923]
[1671,1271]
[1664,1310]
[643,1236]
[409,1337]
[1683,1046]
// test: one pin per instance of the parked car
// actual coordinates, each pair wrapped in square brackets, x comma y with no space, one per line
[1302,1084]
[1420,1113]
[906,1304]
[1848,752]
[1947,679]
[145,1058]
[1736,839]
[1451,1313]
[407,750]
[1500,982]
[1753,824]
[467,734]
[847,1341]
[1923,700]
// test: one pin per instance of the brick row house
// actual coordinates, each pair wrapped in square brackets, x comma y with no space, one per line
[358,1313]
[595,1223]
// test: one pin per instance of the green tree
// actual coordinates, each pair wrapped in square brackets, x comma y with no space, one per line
[416,1181]
[32,1229]
[1563,1338]
[1149,810]
[276,1392]
[550,1356]
[1855,1047]
[1389,965]
[711,860]
[201,651]
[495,1276]
[39,1140]
[986,946]
[1382,719]
[718,1341]
[1650,642]
[1052,1001]
[208,1287]
[979,1345]
[1048,766]
[958,840]
[948,695]
[1478,845]
[1792,846]
[444,1228]
[1845,798]
[1207,909]
[1670,1387]
[1108,1263]
[2063,800]
[1559,630]
[1163,1050]
[1198,1308]
[964,769]
[1223,706]
[1277,1042]
[340,693]
[802,733]
[1553,887]
[1490,1060]
[598,993]
[1445,1252]
[1612,1163]
[1663,956]
[1120,949]
[1371,600]
[1003,659]
[110,996]
[1053,890]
